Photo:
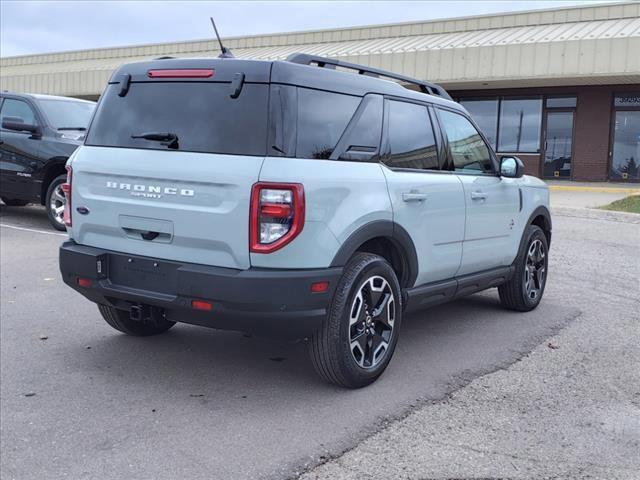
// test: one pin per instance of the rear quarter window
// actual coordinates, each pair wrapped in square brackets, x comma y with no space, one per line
[322,118]
[203,116]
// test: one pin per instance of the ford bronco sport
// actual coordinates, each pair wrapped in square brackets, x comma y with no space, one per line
[310,198]
[38,133]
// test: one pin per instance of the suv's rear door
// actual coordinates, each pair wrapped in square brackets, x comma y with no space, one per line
[427,202]
[186,200]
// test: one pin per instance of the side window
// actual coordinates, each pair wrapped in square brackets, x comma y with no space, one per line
[322,118]
[361,139]
[412,142]
[17,109]
[468,150]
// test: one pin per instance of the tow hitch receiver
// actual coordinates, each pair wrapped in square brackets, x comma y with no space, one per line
[145,313]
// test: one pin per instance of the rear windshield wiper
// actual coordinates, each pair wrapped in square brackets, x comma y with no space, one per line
[167,138]
[82,129]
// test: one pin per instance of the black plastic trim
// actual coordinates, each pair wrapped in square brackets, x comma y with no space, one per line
[385,229]
[324,62]
[544,212]
[442,291]
[263,301]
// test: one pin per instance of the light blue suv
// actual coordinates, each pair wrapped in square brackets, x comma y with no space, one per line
[309,198]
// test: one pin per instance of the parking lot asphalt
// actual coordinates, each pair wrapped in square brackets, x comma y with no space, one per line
[88,402]
[568,410]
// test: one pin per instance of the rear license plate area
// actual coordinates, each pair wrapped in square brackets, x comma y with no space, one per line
[143,273]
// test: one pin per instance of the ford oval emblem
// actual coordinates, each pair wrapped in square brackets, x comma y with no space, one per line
[82,210]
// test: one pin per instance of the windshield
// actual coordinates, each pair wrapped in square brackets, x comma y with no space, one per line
[187,116]
[67,114]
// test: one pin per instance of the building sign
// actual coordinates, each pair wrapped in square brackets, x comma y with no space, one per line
[628,100]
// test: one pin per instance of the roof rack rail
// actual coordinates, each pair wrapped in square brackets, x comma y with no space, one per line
[425,87]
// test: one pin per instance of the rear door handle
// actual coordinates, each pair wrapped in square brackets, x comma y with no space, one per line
[478,196]
[414,197]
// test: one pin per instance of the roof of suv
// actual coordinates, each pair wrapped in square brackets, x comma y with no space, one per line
[282,72]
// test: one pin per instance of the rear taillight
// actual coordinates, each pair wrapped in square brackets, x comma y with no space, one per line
[277,215]
[66,189]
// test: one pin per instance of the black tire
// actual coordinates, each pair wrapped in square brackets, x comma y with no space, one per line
[13,202]
[330,347]
[120,320]
[54,190]
[516,294]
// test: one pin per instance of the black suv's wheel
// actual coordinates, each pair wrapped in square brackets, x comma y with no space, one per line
[55,201]
[358,337]
[13,202]
[524,291]
[120,320]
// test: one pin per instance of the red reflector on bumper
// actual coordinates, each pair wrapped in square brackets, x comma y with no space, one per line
[319,287]
[201,305]
[84,282]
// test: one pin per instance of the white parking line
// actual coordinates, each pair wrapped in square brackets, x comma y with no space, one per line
[15,227]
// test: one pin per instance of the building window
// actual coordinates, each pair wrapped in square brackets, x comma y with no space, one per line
[627,100]
[485,113]
[520,121]
[625,155]
[561,102]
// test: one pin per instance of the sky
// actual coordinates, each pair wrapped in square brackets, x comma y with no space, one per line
[30,27]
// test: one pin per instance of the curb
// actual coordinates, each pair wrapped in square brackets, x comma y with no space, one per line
[573,188]
[595,214]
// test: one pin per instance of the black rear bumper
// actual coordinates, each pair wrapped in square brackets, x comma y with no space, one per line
[261,301]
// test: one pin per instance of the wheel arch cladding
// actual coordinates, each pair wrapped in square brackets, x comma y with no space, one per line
[387,239]
[542,218]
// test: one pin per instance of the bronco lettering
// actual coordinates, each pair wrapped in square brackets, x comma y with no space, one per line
[155,190]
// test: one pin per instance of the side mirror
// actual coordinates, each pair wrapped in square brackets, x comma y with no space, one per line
[17,124]
[511,167]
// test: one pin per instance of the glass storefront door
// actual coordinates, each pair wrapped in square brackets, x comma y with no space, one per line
[558,145]
[625,157]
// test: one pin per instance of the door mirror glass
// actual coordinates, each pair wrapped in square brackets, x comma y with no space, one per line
[16,124]
[511,167]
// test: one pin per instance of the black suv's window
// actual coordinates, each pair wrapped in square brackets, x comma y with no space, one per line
[202,115]
[17,109]
[468,150]
[67,114]
[412,142]
[322,118]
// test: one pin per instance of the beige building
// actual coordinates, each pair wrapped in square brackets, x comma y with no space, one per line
[560,88]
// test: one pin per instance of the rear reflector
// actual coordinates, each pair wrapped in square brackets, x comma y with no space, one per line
[66,189]
[83,282]
[181,73]
[319,287]
[201,305]
[275,210]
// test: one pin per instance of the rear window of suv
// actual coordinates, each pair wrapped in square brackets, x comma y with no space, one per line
[202,115]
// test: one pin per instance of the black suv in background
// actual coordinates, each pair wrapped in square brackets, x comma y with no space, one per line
[38,133]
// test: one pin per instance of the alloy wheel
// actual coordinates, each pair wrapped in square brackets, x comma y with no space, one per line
[56,204]
[371,320]
[535,270]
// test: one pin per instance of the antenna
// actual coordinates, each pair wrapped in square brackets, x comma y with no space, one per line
[226,53]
